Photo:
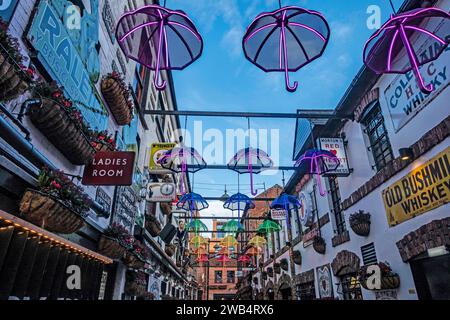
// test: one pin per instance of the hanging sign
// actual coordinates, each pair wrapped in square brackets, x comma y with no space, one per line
[7,8]
[423,189]
[110,168]
[125,211]
[335,146]
[278,214]
[156,152]
[161,192]
[404,98]
[305,212]
[309,237]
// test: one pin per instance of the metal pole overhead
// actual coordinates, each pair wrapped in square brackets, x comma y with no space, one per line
[221,218]
[301,114]
[235,168]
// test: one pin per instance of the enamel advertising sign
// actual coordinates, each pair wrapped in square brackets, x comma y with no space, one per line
[335,146]
[423,189]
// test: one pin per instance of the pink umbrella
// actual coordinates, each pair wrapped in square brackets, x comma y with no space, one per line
[285,40]
[173,35]
[244,258]
[397,38]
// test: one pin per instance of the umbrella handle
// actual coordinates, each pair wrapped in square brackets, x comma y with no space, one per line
[254,192]
[426,89]
[319,182]
[289,88]
[156,81]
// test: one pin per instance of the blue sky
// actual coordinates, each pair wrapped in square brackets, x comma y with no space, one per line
[222,79]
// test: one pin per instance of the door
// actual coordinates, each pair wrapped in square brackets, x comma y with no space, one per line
[432,277]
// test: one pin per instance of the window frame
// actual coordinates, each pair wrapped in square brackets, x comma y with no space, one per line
[336,204]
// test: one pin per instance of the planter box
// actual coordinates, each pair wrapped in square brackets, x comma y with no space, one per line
[116,100]
[49,213]
[111,248]
[11,84]
[56,125]
[361,229]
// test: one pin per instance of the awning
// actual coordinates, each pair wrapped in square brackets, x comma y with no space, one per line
[8,220]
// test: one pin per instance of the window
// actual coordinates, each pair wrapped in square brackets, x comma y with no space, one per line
[350,286]
[230,276]
[306,291]
[369,254]
[138,84]
[378,137]
[218,276]
[298,229]
[336,204]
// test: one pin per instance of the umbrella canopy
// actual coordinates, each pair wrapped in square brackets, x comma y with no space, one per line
[196,226]
[198,241]
[228,241]
[399,39]
[173,35]
[232,226]
[238,202]
[285,201]
[285,40]
[202,258]
[188,159]
[268,226]
[244,258]
[318,161]
[223,258]
[250,160]
[191,202]
[257,241]
[253,251]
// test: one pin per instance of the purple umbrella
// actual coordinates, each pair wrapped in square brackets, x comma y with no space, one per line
[397,39]
[318,162]
[189,159]
[172,34]
[286,40]
[250,160]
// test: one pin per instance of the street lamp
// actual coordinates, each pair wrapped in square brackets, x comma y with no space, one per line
[225,196]
[406,153]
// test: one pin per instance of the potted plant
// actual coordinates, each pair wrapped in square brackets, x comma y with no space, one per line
[61,123]
[389,279]
[118,98]
[103,141]
[319,245]
[115,241]
[360,223]
[15,78]
[284,264]
[152,225]
[297,256]
[58,205]
[169,249]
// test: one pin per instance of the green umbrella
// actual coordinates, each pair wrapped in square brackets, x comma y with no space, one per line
[196,226]
[268,226]
[232,226]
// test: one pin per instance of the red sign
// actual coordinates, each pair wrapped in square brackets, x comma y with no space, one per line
[110,168]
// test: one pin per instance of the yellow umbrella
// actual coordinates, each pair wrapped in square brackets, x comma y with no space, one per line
[197,241]
[228,241]
[257,241]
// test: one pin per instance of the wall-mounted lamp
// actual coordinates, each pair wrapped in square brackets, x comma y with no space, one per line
[406,153]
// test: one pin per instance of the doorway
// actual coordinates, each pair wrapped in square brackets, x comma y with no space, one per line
[432,277]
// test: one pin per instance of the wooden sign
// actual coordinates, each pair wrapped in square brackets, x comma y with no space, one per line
[110,168]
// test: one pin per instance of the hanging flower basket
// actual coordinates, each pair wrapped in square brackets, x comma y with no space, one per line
[152,225]
[255,280]
[132,261]
[170,249]
[117,97]
[166,208]
[49,212]
[284,264]
[297,256]
[360,223]
[111,248]
[103,141]
[270,272]
[62,131]
[136,284]
[389,279]
[277,268]
[319,245]
[14,77]
[264,275]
